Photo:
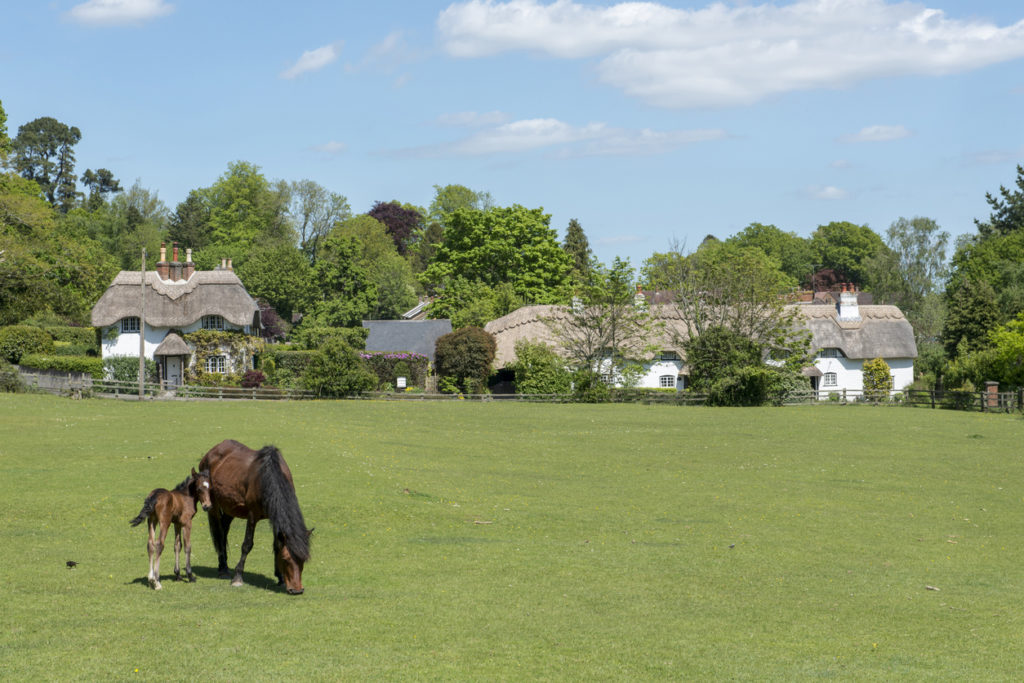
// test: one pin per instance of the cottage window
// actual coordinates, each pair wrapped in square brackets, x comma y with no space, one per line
[830,353]
[213,322]
[217,364]
[669,355]
[667,381]
[830,379]
[130,324]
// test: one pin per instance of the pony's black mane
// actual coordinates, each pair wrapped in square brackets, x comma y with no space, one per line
[281,504]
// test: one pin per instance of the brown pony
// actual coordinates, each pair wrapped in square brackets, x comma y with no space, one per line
[254,485]
[163,508]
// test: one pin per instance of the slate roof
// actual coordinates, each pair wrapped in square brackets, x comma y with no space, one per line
[177,304]
[415,336]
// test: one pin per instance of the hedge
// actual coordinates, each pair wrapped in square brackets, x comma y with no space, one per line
[384,363]
[74,335]
[92,366]
[18,340]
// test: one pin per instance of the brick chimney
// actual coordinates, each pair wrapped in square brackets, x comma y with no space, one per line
[175,265]
[163,267]
[189,266]
[847,308]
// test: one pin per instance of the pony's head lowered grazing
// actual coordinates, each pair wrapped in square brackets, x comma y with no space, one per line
[291,537]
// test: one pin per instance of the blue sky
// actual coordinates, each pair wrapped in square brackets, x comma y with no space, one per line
[647,122]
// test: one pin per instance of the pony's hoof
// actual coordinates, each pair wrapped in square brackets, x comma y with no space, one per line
[237,582]
[177,577]
[191,578]
[157,586]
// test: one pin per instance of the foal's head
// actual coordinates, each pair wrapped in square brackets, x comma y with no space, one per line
[199,487]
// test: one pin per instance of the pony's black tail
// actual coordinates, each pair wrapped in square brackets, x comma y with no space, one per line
[281,504]
[147,508]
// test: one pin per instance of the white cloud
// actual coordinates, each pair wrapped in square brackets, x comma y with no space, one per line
[331,147]
[119,11]
[313,60]
[563,139]
[877,134]
[732,55]
[828,192]
[387,56]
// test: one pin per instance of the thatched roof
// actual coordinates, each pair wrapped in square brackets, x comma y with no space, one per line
[176,304]
[172,345]
[529,323]
[881,332]
[415,336]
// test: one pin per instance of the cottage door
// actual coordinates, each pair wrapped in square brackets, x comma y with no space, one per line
[174,371]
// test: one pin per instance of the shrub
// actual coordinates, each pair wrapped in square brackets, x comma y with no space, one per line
[877,380]
[312,337]
[589,387]
[18,340]
[10,379]
[465,356]
[390,365]
[90,366]
[84,336]
[253,379]
[539,369]
[337,370]
[126,369]
[63,348]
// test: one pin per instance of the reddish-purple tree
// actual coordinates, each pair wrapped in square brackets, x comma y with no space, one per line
[400,222]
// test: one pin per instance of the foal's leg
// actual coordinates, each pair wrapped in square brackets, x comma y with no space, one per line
[177,551]
[154,555]
[250,528]
[158,548]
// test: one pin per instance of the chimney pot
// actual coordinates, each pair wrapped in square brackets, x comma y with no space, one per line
[229,265]
[174,258]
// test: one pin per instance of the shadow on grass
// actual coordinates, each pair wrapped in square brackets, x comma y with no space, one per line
[204,573]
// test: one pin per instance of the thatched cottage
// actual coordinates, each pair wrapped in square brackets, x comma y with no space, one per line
[662,357]
[848,333]
[843,336]
[178,300]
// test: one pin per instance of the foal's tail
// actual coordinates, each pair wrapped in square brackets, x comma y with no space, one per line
[147,509]
[281,504]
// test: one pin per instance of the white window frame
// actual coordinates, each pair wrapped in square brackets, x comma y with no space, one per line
[667,381]
[130,325]
[830,379]
[216,365]
[213,322]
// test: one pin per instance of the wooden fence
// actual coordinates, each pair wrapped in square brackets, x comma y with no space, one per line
[81,384]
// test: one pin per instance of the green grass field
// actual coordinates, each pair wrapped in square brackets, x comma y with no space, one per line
[459,541]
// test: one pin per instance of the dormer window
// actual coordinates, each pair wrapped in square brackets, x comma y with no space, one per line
[831,353]
[669,355]
[129,324]
[213,322]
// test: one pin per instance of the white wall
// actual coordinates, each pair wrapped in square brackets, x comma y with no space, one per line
[127,343]
[850,374]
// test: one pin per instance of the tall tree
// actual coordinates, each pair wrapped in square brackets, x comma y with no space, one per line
[1007,210]
[344,293]
[973,313]
[794,254]
[246,209]
[608,325]
[845,247]
[577,247]
[911,272]
[402,222]
[390,274]
[189,225]
[740,290]
[5,140]
[281,276]
[504,244]
[44,152]
[314,210]
[99,183]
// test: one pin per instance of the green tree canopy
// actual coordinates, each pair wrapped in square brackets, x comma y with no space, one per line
[44,152]
[845,247]
[577,247]
[390,274]
[314,211]
[281,276]
[513,244]
[795,255]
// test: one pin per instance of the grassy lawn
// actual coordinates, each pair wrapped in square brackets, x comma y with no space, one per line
[459,541]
